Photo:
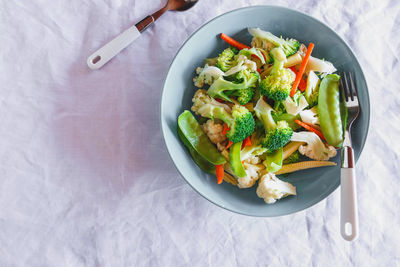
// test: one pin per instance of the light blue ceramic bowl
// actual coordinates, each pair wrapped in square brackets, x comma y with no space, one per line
[312,185]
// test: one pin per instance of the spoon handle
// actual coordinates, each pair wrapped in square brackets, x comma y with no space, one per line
[112,48]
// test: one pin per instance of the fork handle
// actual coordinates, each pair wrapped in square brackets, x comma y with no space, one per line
[348,204]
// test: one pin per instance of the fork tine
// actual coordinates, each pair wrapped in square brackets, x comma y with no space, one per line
[352,87]
[342,95]
[345,86]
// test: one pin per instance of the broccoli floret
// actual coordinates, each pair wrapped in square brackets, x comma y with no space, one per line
[293,158]
[244,96]
[240,121]
[277,137]
[279,107]
[289,118]
[278,83]
[281,114]
[289,46]
[241,125]
[226,59]
[220,86]
[276,134]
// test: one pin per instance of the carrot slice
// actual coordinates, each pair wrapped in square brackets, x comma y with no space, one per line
[310,128]
[302,69]
[219,170]
[302,85]
[229,144]
[246,142]
[233,42]
[294,70]
[226,129]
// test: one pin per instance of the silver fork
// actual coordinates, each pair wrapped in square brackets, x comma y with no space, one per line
[348,193]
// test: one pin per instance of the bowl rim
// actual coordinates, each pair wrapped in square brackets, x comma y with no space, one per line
[163,127]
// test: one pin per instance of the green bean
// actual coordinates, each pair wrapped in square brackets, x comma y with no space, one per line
[197,139]
[329,110]
[234,159]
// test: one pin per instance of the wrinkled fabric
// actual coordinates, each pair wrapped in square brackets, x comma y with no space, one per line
[85,178]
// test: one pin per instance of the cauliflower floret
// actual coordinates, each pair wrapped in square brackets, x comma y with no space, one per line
[221,146]
[327,153]
[270,188]
[250,153]
[315,148]
[214,132]
[310,116]
[296,104]
[250,64]
[242,63]
[262,43]
[253,173]
[207,75]
[249,180]
[201,97]
[253,160]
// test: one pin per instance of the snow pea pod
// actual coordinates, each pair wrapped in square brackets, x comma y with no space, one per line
[197,139]
[204,164]
[234,159]
[329,110]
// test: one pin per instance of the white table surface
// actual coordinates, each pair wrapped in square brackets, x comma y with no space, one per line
[85,178]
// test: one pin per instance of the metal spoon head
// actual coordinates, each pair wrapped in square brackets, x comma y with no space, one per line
[188,4]
[181,5]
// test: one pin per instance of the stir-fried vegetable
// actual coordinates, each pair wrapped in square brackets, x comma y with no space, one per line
[276,85]
[274,160]
[310,128]
[302,69]
[277,134]
[235,161]
[329,110]
[198,140]
[252,113]
[293,167]
[233,42]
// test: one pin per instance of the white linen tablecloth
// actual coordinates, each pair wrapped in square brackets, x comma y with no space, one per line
[85,178]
